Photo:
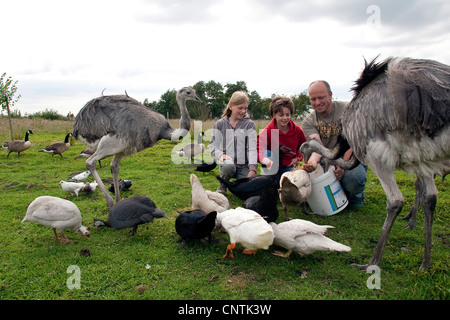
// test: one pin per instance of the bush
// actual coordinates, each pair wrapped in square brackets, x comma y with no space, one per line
[48,114]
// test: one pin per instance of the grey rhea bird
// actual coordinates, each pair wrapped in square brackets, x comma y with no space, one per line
[119,126]
[18,145]
[411,216]
[130,213]
[399,118]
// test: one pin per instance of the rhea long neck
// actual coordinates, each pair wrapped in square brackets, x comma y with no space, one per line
[185,121]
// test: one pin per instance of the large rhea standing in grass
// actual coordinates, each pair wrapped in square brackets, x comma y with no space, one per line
[399,118]
[120,126]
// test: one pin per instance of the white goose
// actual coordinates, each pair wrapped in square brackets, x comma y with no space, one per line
[246,227]
[304,237]
[60,214]
[295,188]
[207,200]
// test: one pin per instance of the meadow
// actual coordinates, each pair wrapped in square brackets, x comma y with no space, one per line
[155,264]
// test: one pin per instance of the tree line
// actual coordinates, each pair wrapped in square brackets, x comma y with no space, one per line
[215,97]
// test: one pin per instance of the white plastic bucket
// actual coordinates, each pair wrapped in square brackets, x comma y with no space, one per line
[327,196]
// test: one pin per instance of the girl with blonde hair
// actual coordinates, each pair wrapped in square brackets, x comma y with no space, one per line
[233,142]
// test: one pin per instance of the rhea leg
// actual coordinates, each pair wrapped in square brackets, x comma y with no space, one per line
[428,200]
[411,216]
[108,146]
[91,166]
[426,193]
[394,206]
[115,174]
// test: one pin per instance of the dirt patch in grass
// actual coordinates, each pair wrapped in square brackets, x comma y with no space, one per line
[241,280]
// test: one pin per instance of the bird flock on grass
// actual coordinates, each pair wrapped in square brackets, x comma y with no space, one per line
[254,224]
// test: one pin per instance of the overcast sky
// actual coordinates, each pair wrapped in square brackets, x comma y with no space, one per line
[64,53]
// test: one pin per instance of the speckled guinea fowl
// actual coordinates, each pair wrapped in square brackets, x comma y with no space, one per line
[57,213]
[130,213]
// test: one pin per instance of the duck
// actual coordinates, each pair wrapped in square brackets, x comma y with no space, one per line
[296,187]
[245,188]
[58,147]
[57,213]
[246,227]
[86,153]
[192,149]
[130,213]
[18,145]
[195,224]
[72,187]
[80,177]
[207,200]
[303,237]
[265,204]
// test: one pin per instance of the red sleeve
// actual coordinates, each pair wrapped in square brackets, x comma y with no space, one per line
[301,140]
[263,142]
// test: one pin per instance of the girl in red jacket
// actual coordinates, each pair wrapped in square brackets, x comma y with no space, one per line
[281,130]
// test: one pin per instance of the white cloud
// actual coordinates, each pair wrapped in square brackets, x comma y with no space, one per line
[64,53]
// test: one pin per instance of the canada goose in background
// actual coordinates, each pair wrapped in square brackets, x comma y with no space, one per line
[58,147]
[57,213]
[18,145]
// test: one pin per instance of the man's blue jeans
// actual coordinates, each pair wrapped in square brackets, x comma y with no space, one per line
[354,183]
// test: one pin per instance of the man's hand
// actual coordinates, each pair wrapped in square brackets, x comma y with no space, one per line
[309,166]
[339,172]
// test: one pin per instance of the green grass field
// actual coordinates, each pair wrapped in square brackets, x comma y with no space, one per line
[154,264]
